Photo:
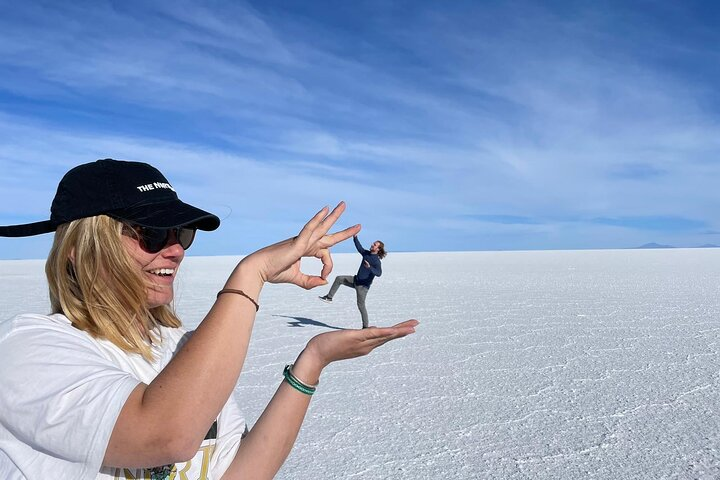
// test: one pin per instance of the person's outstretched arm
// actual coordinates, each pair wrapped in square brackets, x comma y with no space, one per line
[165,421]
[267,445]
[359,246]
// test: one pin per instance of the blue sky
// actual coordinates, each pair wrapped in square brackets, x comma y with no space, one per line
[444,125]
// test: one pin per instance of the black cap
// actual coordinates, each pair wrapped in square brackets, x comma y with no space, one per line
[131,191]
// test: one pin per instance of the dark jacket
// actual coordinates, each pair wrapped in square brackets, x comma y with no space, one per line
[366,275]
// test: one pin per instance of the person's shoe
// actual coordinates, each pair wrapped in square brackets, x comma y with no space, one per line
[325,299]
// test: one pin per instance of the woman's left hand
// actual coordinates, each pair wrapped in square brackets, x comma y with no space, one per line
[330,347]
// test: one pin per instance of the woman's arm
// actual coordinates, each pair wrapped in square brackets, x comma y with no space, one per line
[265,448]
[165,421]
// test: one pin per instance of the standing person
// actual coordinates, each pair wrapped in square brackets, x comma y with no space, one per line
[370,267]
[109,385]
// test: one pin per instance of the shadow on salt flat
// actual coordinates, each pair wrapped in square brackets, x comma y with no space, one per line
[302,322]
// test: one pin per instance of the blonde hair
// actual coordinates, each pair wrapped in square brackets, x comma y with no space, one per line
[96,284]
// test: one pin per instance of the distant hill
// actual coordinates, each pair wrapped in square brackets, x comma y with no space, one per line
[659,245]
[655,245]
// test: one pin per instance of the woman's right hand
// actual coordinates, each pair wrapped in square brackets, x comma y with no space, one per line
[280,263]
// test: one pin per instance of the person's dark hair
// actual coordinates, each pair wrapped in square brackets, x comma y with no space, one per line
[381,251]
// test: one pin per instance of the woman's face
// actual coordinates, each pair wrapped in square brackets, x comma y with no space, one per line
[158,268]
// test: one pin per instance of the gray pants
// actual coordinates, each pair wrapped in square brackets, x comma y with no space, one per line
[360,291]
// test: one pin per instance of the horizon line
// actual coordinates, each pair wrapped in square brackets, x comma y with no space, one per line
[642,247]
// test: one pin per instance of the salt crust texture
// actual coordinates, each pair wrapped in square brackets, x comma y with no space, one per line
[544,365]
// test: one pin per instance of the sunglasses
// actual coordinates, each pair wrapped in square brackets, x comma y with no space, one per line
[152,240]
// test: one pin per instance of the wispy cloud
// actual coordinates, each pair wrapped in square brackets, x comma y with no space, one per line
[421,117]
[505,219]
[653,223]
[636,171]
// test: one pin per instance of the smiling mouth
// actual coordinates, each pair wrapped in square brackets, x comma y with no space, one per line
[162,272]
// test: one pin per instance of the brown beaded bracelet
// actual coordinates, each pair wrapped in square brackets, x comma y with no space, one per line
[239,292]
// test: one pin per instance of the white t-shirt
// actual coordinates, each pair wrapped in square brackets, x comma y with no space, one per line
[61,392]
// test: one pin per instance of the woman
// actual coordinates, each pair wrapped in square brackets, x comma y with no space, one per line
[109,386]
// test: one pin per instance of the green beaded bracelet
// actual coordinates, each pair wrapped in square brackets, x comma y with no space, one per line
[296,383]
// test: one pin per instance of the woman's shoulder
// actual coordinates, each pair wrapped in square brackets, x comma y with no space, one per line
[40,338]
[35,321]
[42,331]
